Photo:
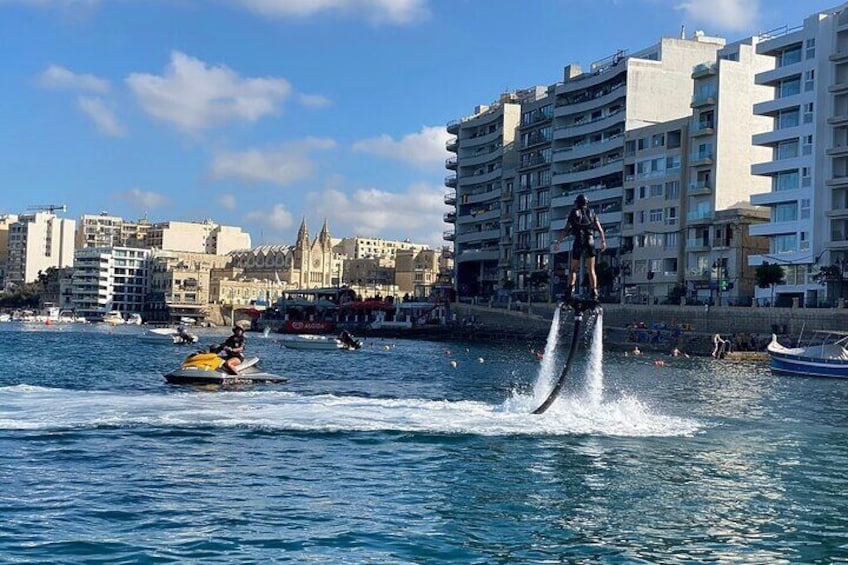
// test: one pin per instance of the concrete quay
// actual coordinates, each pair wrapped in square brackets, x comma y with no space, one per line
[532,322]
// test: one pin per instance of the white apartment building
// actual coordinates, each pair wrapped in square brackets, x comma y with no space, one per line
[595,108]
[6,220]
[373,248]
[485,155]
[37,242]
[109,278]
[196,237]
[808,169]
[99,230]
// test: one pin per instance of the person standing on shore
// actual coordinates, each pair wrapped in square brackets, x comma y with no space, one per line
[582,222]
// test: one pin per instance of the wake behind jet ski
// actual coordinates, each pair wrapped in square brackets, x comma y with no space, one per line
[206,367]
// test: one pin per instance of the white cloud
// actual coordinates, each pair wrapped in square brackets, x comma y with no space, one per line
[376,11]
[143,200]
[284,165]
[416,214]
[227,201]
[56,77]
[276,219]
[425,148]
[314,100]
[194,96]
[102,116]
[724,15]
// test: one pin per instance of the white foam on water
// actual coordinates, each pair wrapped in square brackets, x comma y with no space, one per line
[595,371]
[38,408]
[547,368]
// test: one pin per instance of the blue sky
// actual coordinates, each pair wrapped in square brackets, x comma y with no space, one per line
[259,113]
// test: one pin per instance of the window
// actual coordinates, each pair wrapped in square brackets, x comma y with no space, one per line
[809,80]
[783,243]
[656,215]
[789,56]
[789,87]
[811,48]
[672,190]
[786,150]
[656,190]
[788,118]
[786,212]
[786,180]
[658,140]
[672,162]
[671,216]
[671,240]
[805,208]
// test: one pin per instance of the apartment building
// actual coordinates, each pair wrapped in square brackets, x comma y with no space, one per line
[651,254]
[36,243]
[808,169]
[109,278]
[180,284]
[371,247]
[485,155]
[6,220]
[416,271]
[196,237]
[99,230]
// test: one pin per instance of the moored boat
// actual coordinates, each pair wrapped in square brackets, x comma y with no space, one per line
[170,336]
[824,356]
[319,342]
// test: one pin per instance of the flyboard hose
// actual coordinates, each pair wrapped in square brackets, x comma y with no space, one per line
[579,307]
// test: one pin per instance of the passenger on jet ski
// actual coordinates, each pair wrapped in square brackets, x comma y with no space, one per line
[348,340]
[232,350]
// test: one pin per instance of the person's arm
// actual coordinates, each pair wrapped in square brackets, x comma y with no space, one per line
[601,232]
[566,228]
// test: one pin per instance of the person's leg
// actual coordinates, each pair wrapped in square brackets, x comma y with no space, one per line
[593,277]
[572,276]
[231,364]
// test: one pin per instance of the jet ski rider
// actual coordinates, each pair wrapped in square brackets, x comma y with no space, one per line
[233,350]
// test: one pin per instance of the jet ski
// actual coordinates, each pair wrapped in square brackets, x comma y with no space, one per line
[206,368]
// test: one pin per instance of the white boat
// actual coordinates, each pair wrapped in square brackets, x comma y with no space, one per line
[824,356]
[169,336]
[315,342]
[113,317]
[134,319]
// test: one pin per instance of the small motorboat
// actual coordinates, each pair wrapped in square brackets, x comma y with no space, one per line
[204,368]
[134,319]
[113,318]
[169,336]
[826,355]
[321,342]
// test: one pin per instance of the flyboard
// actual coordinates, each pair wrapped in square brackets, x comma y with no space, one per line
[579,305]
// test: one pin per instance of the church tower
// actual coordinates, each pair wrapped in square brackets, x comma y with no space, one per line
[300,256]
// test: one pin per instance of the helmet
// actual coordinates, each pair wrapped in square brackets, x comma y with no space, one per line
[581,200]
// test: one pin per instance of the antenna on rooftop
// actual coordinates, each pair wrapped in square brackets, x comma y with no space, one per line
[48,208]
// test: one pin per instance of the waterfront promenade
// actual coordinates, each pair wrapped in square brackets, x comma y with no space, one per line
[532,322]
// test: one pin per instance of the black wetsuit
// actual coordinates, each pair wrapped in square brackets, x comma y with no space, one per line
[233,342]
[581,224]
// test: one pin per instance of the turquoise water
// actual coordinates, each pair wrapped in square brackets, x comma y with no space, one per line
[391,454]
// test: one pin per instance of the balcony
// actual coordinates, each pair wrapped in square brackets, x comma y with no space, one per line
[453,127]
[449,235]
[701,187]
[702,128]
[697,244]
[451,163]
[703,70]
[699,217]
[701,158]
[449,217]
[450,181]
[451,144]
[700,100]
[450,198]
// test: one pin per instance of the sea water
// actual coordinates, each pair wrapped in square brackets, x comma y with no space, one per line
[411,452]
